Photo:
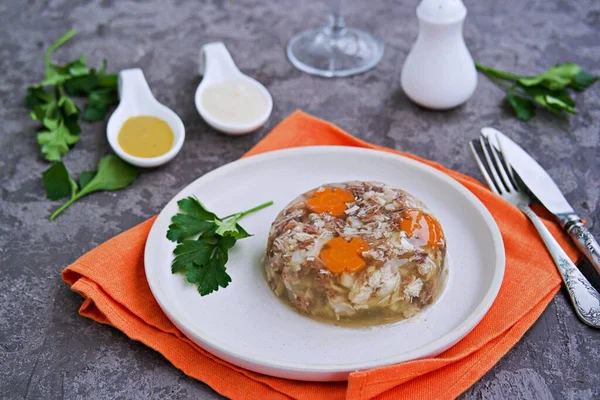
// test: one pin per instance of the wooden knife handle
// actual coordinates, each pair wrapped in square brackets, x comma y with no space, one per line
[586,243]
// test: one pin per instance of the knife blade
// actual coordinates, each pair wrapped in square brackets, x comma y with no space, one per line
[533,174]
[541,184]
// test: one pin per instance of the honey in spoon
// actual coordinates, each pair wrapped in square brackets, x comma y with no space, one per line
[145,136]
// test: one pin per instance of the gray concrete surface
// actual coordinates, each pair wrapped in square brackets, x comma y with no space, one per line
[47,351]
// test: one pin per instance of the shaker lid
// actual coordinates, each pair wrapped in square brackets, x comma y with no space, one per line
[441,11]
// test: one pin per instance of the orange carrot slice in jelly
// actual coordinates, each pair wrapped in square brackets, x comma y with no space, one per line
[340,255]
[422,227]
[330,200]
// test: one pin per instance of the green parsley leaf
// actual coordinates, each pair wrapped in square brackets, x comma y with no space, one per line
[209,277]
[203,259]
[555,78]
[98,102]
[56,139]
[107,80]
[187,225]
[215,275]
[522,106]
[76,68]
[81,85]
[72,124]
[583,80]
[203,262]
[563,95]
[86,177]
[112,174]
[230,227]
[37,96]
[195,221]
[191,252]
[558,104]
[240,233]
[69,108]
[57,181]
[553,100]
[58,74]
[194,206]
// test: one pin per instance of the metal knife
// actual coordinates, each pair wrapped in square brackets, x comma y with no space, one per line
[547,192]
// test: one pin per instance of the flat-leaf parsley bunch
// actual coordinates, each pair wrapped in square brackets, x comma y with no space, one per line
[548,90]
[51,105]
[203,243]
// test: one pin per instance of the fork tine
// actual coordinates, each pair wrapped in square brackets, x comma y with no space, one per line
[491,162]
[502,167]
[507,167]
[480,163]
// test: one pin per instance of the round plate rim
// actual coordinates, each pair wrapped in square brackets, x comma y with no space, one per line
[260,364]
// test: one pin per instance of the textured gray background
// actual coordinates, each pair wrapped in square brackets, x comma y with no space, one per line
[48,351]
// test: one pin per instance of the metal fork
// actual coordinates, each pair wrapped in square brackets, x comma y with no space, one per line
[503,181]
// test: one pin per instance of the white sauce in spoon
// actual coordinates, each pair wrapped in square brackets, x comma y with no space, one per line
[235,102]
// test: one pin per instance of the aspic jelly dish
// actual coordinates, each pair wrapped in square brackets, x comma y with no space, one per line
[356,253]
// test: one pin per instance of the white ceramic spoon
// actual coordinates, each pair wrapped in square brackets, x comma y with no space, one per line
[217,67]
[136,99]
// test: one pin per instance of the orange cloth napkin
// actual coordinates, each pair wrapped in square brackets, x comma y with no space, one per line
[111,279]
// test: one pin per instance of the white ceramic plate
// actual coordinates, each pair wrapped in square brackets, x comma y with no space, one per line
[248,326]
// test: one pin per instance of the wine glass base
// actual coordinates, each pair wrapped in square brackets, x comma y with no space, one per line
[329,53]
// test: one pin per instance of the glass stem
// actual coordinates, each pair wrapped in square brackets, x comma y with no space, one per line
[336,17]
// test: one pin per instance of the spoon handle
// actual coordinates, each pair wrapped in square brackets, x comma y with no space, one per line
[133,87]
[216,62]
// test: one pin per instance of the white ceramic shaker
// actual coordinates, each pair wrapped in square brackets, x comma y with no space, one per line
[439,72]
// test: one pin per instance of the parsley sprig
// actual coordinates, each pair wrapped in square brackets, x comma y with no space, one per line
[51,105]
[548,90]
[203,243]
